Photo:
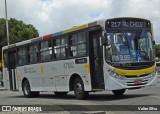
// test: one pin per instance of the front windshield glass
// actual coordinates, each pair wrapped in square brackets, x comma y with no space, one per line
[129,46]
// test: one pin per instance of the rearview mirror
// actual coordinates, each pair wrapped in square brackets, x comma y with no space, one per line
[105,41]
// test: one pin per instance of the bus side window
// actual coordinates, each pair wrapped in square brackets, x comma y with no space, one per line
[60,45]
[81,44]
[73,46]
[22,55]
[70,43]
[33,50]
[57,48]
[77,44]
[46,51]
[63,46]
[54,54]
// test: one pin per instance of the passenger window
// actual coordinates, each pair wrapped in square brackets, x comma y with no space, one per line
[81,44]
[57,50]
[63,47]
[33,53]
[77,44]
[60,45]
[46,51]
[22,55]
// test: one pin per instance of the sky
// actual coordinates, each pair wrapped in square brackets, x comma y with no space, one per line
[50,16]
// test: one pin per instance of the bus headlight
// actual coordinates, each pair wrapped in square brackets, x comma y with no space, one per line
[153,73]
[115,75]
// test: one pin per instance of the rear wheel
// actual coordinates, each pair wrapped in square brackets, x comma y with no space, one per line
[119,92]
[27,90]
[60,93]
[79,89]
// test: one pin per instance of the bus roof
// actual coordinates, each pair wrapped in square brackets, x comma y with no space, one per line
[48,36]
[75,28]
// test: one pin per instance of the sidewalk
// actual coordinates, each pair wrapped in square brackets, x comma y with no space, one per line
[1,88]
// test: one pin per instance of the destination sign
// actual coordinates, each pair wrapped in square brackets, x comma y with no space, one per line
[127,23]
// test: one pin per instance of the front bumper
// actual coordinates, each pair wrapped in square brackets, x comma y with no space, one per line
[128,82]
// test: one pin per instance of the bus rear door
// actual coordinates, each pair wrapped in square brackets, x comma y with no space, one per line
[12,69]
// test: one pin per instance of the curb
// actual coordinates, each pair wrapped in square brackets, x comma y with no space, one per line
[99,112]
[1,89]
[93,112]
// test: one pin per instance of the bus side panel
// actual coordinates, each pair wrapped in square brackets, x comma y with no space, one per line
[6,78]
[53,76]
[61,79]
[82,69]
[32,73]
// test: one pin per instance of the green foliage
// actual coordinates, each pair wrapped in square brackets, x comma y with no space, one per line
[157,50]
[18,31]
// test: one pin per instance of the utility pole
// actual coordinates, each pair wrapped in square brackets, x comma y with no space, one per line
[7,22]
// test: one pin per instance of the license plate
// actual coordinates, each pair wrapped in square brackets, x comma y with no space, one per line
[138,82]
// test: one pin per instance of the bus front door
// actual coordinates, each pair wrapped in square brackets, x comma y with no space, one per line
[96,62]
[12,69]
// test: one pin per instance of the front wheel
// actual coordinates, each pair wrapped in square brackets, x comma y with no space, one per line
[27,90]
[119,92]
[79,89]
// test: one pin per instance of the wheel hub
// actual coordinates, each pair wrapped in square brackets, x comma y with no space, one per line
[26,89]
[78,88]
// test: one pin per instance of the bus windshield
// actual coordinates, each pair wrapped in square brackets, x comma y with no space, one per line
[129,46]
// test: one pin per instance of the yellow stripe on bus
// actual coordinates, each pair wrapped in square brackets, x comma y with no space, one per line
[134,72]
[80,27]
[42,69]
[2,60]
[87,66]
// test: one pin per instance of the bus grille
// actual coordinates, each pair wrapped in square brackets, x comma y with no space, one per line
[131,83]
[136,76]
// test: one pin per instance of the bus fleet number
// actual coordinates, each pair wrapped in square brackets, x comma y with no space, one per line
[69,65]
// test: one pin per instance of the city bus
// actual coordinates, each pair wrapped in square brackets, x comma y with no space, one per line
[110,54]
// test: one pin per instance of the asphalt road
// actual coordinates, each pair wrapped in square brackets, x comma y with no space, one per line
[144,96]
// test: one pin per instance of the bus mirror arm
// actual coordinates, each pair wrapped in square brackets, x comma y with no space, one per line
[105,40]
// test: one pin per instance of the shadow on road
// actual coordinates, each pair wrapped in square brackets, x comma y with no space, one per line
[92,97]
[100,97]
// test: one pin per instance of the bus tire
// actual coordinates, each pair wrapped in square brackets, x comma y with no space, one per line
[79,89]
[27,90]
[60,93]
[119,92]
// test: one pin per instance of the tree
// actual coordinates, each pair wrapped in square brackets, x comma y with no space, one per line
[18,31]
[157,50]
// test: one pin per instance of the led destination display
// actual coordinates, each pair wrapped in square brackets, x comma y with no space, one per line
[127,23]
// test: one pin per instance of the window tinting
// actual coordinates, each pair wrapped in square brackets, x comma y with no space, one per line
[33,53]
[77,44]
[22,55]
[46,51]
[60,45]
